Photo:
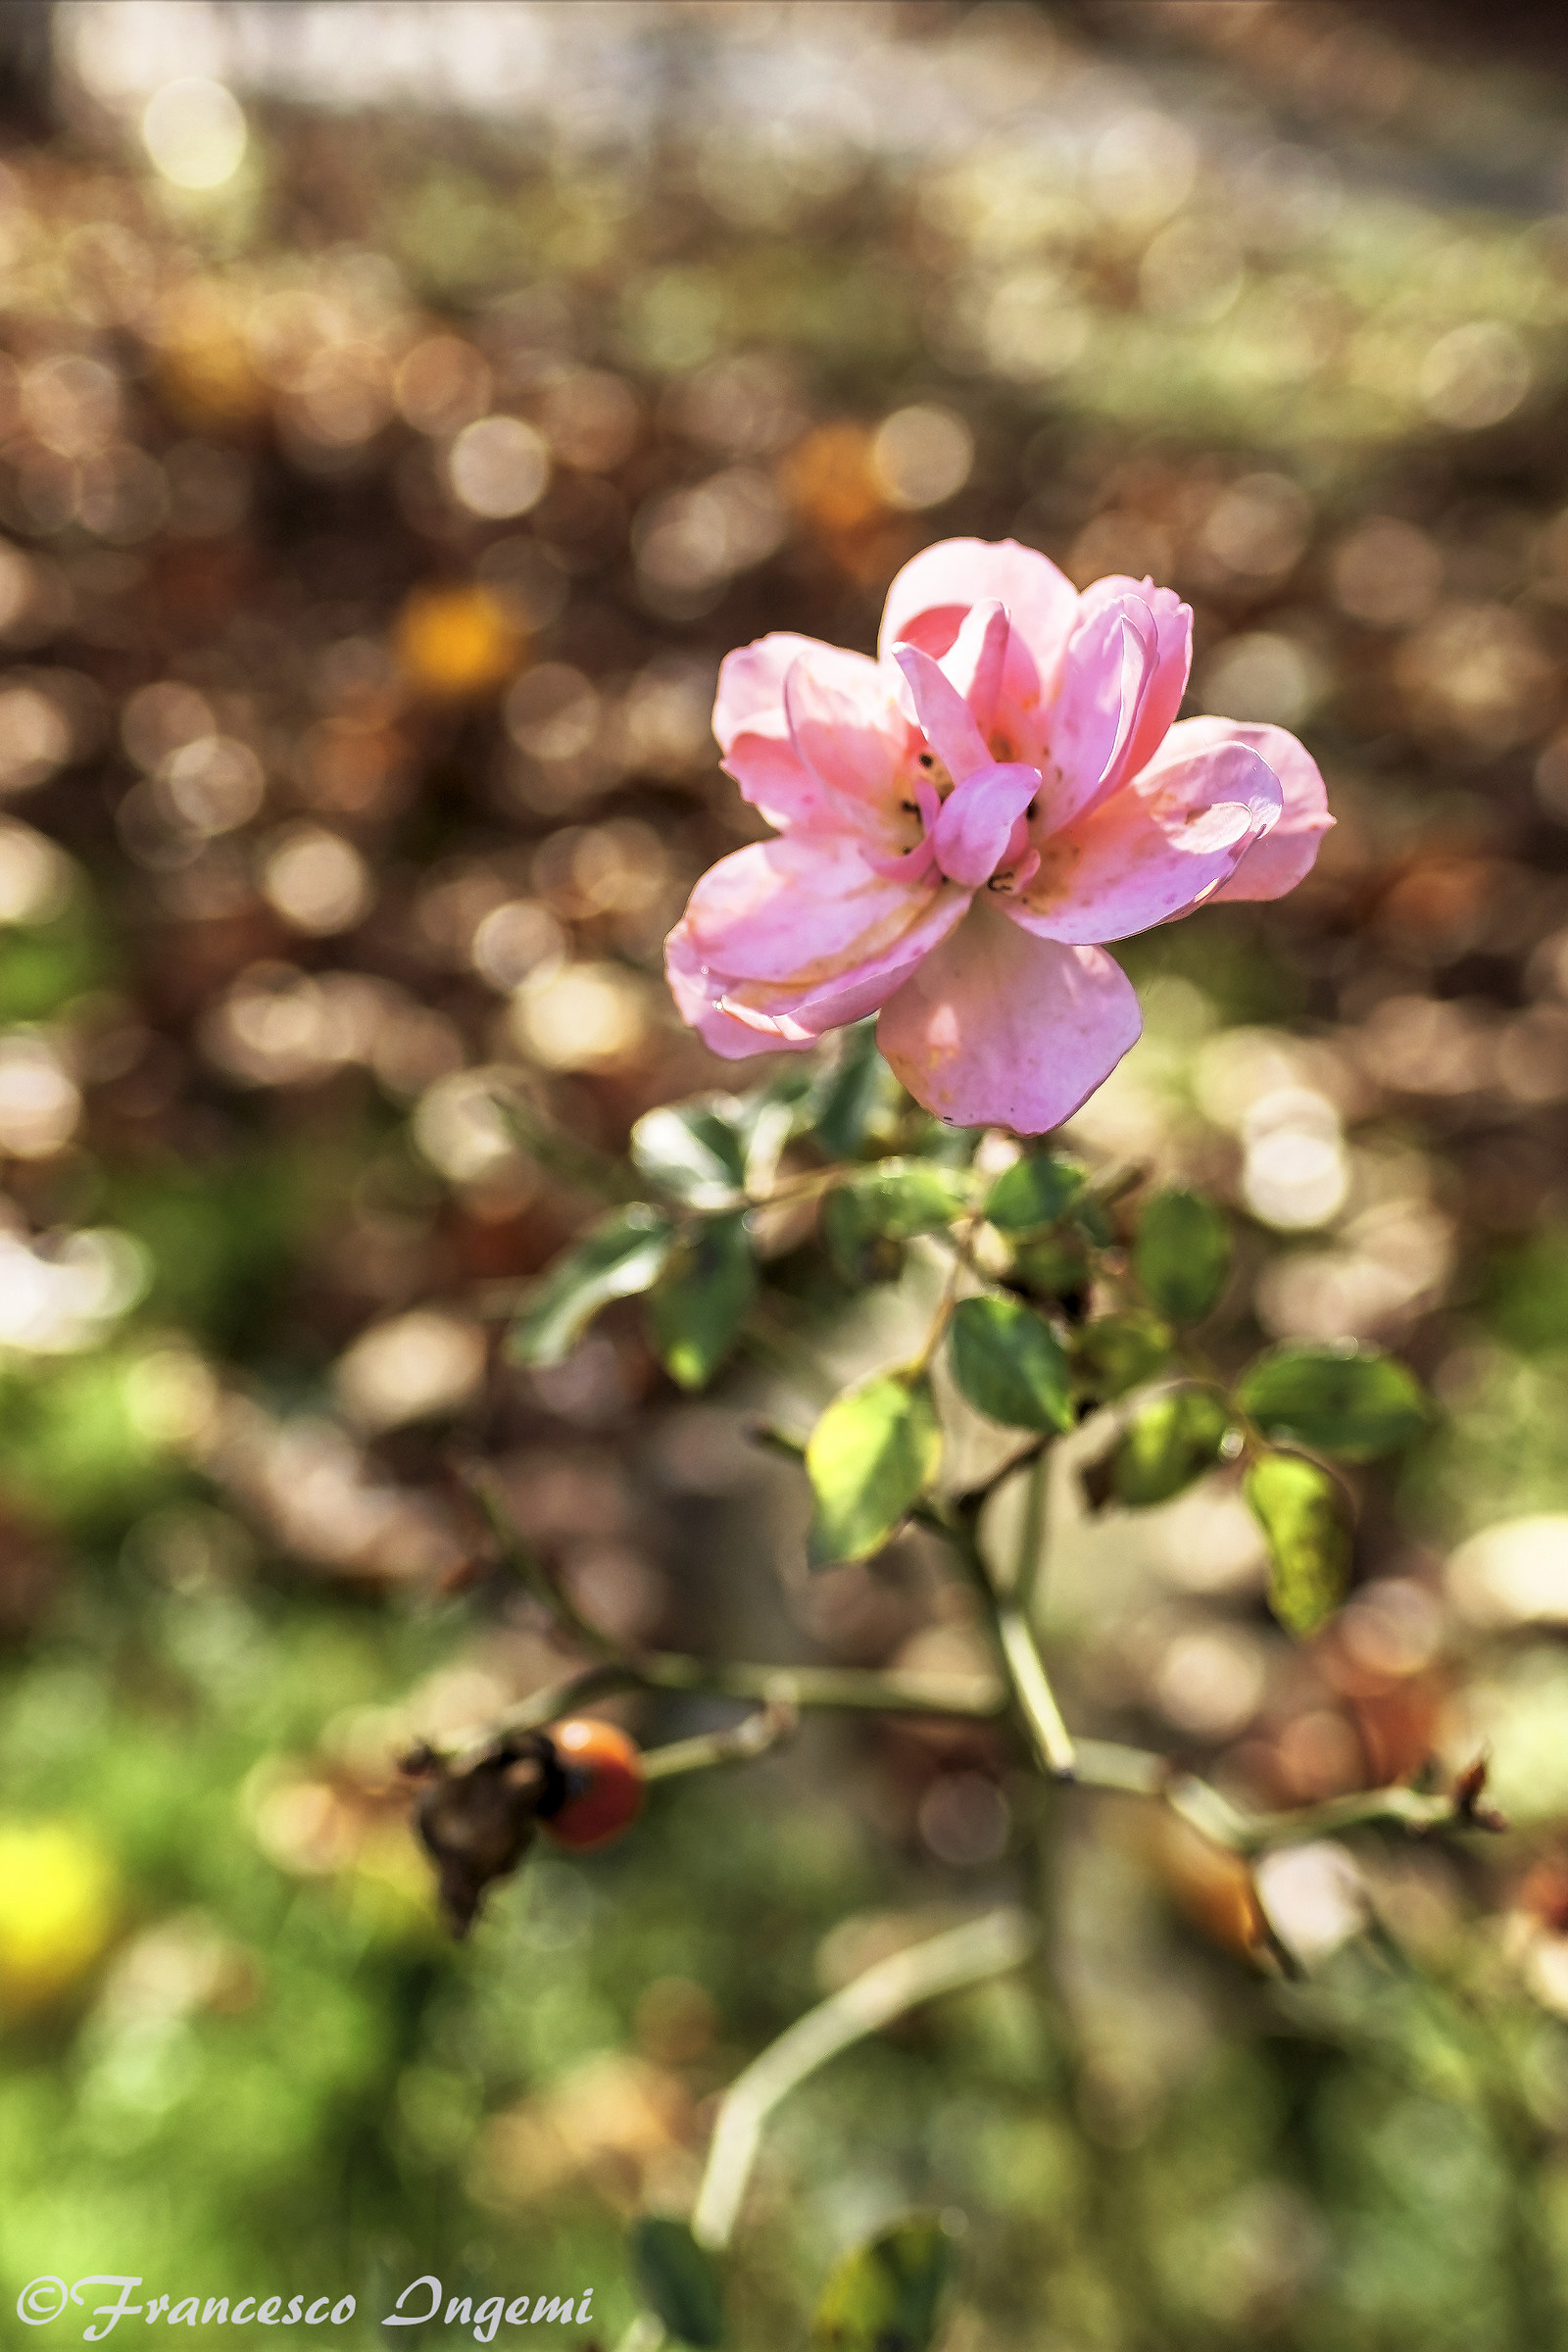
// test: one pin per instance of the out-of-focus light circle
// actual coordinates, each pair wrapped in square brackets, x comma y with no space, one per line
[552,712]
[318,881]
[1261,676]
[511,942]
[964,1819]
[1515,1572]
[1294,1178]
[1210,1682]
[174,1398]
[34,875]
[34,737]
[443,385]
[462,1129]
[1258,527]
[1190,274]
[1386,573]
[39,1101]
[415,1365]
[160,718]
[592,419]
[1314,1896]
[194,131]
[1475,375]
[498,466]
[584,1014]
[212,785]
[454,641]
[1142,168]
[1032,330]
[922,456]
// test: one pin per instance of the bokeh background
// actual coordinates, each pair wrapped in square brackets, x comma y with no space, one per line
[401,410]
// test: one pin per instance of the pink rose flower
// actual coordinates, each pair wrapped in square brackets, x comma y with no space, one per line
[966,819]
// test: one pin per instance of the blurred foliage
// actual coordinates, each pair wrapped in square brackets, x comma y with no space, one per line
[389,450]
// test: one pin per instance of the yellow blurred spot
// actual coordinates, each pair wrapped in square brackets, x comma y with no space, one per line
[57,1910]
[195,132]
[454,641]
[584,1016]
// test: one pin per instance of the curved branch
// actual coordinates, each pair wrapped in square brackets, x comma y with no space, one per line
[982,1947]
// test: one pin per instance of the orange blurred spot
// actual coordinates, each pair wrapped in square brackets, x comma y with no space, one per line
[454,641]
[1212,1887]
[829,478]
[203,367]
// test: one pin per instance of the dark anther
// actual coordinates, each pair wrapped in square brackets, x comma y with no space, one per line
[911,808]
[926,760]
[477,1821]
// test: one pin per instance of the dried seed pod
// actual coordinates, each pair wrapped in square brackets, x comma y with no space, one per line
[477,1821]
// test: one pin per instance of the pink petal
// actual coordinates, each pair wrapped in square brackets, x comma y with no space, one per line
[1173,661]
[976,658]
[846,724]
[1155,849]
[999,1029]
[780,786]
[971,834]
[750,685]
[1286,854]
[791,937]
[929,598]
[1089,721]
[754,736]
[697,996]
[946,718]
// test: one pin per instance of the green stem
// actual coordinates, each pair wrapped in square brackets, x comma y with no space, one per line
[526,1565]
[856,1690]
[1032,1533]
[1049,1734]
[960,1240]
[1101,1764]
[987,1946]
[741,1744]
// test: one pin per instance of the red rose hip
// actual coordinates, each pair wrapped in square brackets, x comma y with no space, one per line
[604,1782]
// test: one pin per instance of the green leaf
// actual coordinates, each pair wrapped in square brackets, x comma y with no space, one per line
[1011,1364]
[1336,1400]
[887,2296]
[860,1253]
[1116,1352]
[1183,1255]
[1168,1443]
[1051,1268]
[624,1254]
[1303,1514]
[913,1196]
[698,1305]
[679,2281]
[858,1096]
[888,1206]
[694,1150]
[869,1459]
[1034,1190]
